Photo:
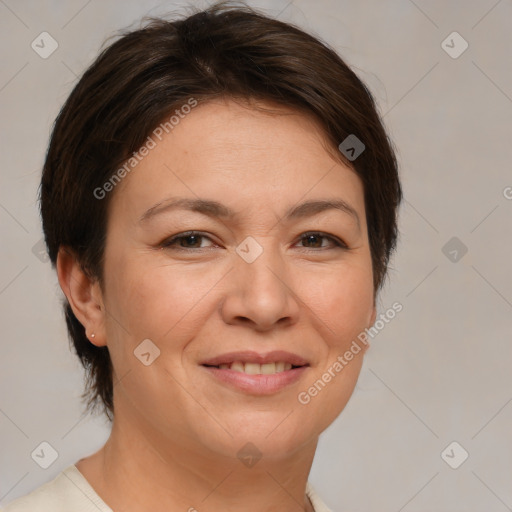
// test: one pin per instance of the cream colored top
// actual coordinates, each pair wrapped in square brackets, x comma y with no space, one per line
[69,491]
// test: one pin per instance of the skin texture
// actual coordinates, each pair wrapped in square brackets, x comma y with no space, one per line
[176,429]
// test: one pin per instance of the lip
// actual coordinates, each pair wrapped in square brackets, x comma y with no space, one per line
[259,384]
[250,356]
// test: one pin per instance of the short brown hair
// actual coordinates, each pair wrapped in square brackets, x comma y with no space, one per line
[227,50]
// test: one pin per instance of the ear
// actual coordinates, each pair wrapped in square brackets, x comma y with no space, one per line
[83,294]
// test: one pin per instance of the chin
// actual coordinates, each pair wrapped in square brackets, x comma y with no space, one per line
[271,435]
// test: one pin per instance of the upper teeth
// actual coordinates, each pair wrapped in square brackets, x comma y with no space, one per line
[255,368]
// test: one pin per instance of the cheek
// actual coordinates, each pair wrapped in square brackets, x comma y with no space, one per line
[151,299]
[344,302]
[344,306]
[158,301]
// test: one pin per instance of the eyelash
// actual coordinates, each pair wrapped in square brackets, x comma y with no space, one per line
[170,242]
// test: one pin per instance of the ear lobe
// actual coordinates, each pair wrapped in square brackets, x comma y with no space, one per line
[83,294]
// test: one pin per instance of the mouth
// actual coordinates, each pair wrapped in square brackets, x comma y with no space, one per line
[255,368]
[253,363]
[254,373]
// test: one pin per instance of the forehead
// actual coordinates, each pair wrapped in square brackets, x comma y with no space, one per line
[240,154]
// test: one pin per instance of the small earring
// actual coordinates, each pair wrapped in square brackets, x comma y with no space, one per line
[93,335]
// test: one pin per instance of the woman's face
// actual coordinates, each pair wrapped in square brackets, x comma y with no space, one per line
[249,281]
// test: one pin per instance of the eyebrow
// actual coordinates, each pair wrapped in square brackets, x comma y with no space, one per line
[215,209]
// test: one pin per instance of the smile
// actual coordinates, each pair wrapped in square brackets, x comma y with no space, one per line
[254,373]
[257,369]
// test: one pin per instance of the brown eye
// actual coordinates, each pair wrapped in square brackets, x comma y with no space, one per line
[190,240]
[315,241]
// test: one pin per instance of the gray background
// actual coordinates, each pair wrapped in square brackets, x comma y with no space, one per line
[438,373]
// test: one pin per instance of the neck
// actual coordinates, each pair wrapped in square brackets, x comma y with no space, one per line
[141,469]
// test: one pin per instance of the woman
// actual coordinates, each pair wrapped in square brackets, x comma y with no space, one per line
[219,200]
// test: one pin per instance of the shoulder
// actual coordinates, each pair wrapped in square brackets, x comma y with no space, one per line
[317,503]
[69,491]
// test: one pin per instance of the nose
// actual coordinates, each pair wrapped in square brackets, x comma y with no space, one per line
[261,294]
